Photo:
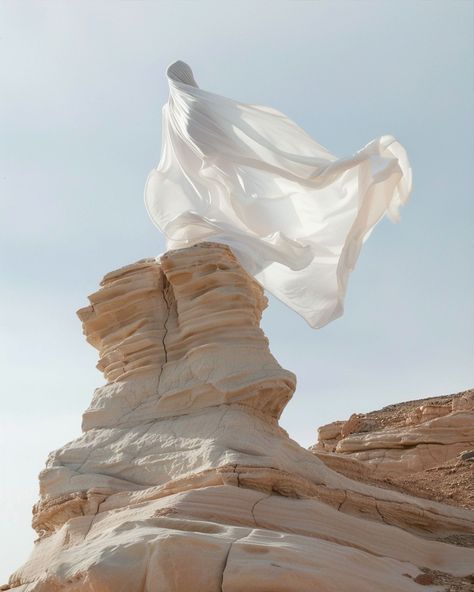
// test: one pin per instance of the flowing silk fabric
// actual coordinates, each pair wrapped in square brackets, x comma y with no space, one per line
[294,214]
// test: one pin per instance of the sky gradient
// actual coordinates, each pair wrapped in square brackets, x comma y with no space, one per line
[80,128]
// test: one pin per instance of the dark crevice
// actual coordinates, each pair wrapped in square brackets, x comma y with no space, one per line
[380,513]
[225,565]
[226,559]
[166,284]
[94,517]
[252,509]
[343,500]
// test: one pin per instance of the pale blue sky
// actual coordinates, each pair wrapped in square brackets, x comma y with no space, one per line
[80,120]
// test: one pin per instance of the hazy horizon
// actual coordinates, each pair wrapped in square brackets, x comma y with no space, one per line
[80,114]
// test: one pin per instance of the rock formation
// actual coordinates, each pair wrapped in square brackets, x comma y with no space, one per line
[184,481]
[420,446]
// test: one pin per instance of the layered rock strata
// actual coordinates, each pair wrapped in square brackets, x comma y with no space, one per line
[184,481]
[421,446]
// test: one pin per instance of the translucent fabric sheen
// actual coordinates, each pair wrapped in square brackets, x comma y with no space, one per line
[294,214]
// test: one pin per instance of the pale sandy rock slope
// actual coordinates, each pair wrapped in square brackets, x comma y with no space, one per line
[183,479]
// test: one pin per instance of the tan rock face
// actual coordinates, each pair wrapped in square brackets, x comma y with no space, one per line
[187,330]
[184,481]
[416,445]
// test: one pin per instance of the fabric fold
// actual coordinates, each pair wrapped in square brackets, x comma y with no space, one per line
[294,214]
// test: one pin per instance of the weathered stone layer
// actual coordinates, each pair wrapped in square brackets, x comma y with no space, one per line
[183,479]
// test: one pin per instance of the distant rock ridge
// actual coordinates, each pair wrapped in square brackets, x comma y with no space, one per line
[420,446]
[183,480]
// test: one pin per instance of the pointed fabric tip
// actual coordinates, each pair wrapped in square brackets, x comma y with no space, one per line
[180,72]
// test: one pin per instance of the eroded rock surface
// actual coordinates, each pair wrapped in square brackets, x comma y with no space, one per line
[423,447]
[184,481]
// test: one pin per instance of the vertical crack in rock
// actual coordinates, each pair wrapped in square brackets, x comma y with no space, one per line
[380,513]
[166,285]
[226,559]
[237,474]
[343,500]
[94,516]
[252,509]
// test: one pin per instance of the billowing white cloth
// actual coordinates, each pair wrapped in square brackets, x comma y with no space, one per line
[245,175]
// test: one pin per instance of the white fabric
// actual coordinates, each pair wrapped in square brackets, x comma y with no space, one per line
[294,214]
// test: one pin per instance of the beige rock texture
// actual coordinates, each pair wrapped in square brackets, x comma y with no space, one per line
[423,447]
[183,480]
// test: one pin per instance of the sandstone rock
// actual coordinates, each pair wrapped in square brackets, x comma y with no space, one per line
[184,481]
[465,402]
[426,412]
[329,435]
[405,442]
[424,579]
[331,431]
[352,424]
[432,411]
